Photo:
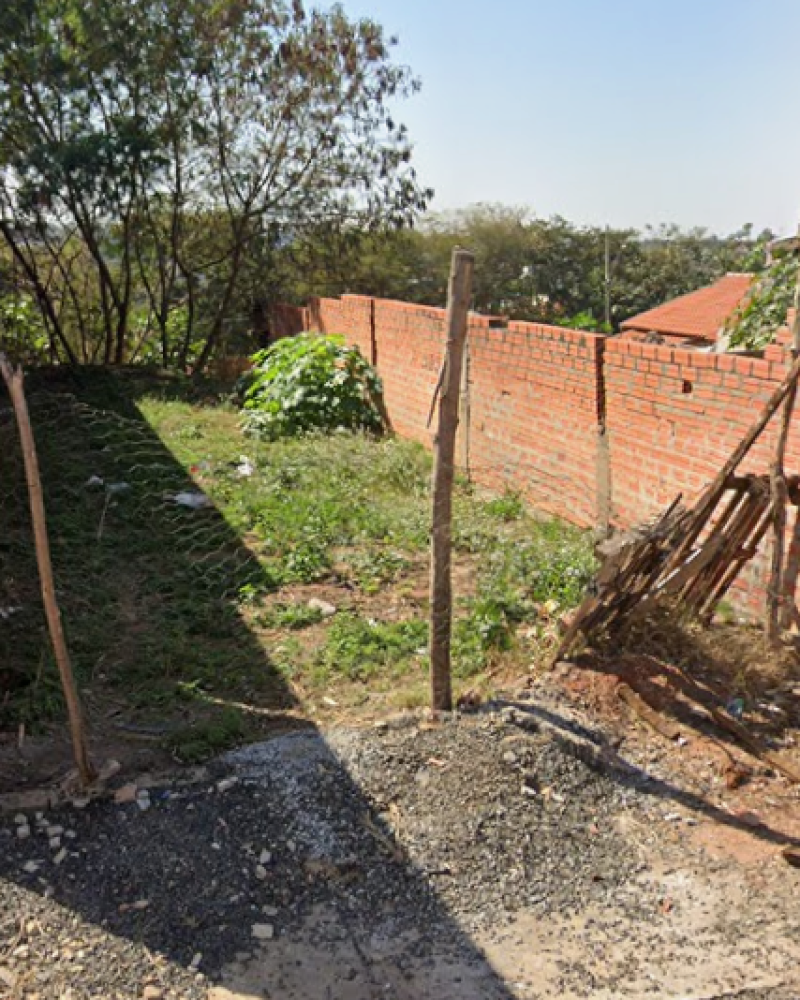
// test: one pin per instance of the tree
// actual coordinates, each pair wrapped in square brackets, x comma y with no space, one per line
[162,140]
[546,270]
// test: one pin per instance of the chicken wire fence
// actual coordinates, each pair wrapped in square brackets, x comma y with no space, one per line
[129,531]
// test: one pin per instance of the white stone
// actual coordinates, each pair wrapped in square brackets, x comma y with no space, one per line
[265,857]
[325,609]
[263,932]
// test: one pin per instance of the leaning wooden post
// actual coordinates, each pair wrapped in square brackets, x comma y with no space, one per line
[776,595]
[14,381]
[444,446]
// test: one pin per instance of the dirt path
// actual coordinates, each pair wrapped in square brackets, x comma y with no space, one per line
[511,854]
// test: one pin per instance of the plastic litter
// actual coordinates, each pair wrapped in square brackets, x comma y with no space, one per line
[735,708]
[192,499]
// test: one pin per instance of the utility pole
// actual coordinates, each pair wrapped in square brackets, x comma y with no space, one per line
[607,279]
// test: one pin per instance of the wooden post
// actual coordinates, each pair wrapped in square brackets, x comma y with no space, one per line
[444,445]
[776,595]
[14,381]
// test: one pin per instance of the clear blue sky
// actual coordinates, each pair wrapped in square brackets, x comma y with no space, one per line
[607,111]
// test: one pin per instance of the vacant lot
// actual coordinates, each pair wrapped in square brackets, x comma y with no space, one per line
[214,586]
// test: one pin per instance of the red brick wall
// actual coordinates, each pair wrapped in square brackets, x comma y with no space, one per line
[533,394]
[674,416]
[583,425]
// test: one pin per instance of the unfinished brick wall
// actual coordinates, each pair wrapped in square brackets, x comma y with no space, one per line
[674,416]
[533,395]
[595,429]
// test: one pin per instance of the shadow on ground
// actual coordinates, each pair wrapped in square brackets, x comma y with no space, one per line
[594,747]
[150,590]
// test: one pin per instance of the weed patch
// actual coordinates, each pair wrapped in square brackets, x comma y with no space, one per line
[356,648]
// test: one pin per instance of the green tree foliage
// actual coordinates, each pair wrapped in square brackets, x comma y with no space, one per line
[148,150]
[547,270]
[764,312]
[311,383]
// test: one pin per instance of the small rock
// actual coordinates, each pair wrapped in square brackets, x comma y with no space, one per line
[55,843]
[509,757]
[226,784]
[269,911]
[60,856]
[263,932]
[81,802]
[325,609]
[152,993]
[196,960]
[261,872]
[38,798]
[23,832]
[265,857]
[31,867]
[54,831]
[7,977]
[21,819]
[127,793]
[108,770]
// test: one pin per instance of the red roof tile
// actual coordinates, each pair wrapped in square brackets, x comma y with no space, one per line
[698,314]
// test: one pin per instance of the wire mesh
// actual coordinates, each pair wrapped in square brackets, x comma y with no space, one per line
[147,570]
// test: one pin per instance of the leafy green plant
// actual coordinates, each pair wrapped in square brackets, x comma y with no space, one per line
[202,740]
[356,647]
[21,328]
[509,507]
[755,323]
[292,616]
[311,382]
[585,321]
[372,568]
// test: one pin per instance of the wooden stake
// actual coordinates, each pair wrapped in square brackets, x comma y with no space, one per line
[444,445]
[14,381]
[784,578]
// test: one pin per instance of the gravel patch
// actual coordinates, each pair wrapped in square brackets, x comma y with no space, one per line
[414,832]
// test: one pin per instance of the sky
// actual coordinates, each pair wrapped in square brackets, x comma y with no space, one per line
[617,112]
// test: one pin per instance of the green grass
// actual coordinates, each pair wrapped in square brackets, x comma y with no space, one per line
[170,610]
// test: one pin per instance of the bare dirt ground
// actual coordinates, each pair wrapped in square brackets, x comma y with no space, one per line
[524,851]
